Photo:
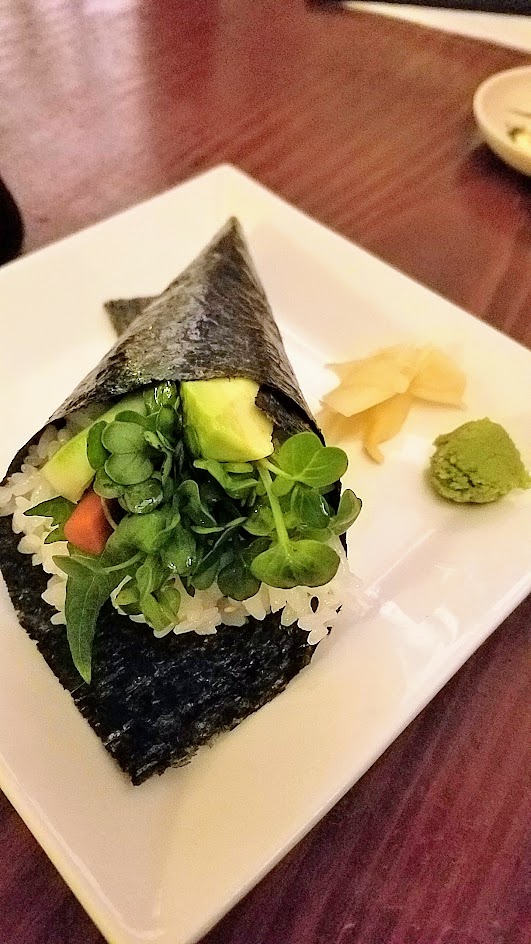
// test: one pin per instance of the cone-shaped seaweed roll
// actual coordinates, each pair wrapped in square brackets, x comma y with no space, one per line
[171,539]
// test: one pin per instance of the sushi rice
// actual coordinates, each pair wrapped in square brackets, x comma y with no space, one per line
[314,609]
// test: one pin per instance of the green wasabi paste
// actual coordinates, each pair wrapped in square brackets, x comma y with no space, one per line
[477,462]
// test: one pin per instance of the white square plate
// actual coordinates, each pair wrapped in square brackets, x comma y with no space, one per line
[164,861]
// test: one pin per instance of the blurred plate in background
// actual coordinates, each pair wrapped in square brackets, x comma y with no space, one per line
[502,104]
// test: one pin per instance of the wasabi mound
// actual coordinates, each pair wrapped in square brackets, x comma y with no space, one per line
[477,462]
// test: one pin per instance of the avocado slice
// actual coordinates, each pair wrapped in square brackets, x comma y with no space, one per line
[227,424]
[68,471]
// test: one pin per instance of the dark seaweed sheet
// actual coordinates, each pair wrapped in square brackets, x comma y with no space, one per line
[214,320]
[154,702]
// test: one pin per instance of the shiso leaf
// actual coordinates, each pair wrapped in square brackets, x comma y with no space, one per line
[59,510]
[86,592]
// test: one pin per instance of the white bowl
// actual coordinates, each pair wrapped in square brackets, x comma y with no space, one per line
[497,104]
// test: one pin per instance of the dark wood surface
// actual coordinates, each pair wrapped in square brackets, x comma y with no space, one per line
[366,124]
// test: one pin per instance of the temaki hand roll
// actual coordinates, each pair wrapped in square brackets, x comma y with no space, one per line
[181,515]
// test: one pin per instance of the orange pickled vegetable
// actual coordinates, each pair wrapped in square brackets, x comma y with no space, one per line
[87,526]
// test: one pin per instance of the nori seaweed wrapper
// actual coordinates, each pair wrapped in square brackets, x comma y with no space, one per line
[212,321]
[154,702]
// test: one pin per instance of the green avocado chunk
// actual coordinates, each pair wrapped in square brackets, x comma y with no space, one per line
[477,462]
[224,420]
[68,471]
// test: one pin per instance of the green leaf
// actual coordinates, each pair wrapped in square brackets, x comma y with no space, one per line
[212,494]
[192,441]
[59,510]
[97,455]
[161,609]
[205,576]
[304,457]
[128,594]
[235,580]
[166,470]
[169,600]
[316,534]
[71,565]
[154,613]
[309,508]
[153,440]
[145,533]
[149,400]
[166,426]
[167,489]
[165,394]
[131,416]
[86,592]
[178,458]
[236,486]
[149,576]
[173,518]
[218,556]
[106,487]
[238,468]
[348,511]
[253,550]
[161,395]
[129,463]
[102,565]
[296,564]
[189,499]
[260,521]
[214,529]
[179,554]
[199,529]
[291,520]
[282,485]
[57,534]
[142,498]
[123,438]
[132,609]
[129,468]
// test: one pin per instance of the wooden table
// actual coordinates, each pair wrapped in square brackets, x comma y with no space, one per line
[366,124]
